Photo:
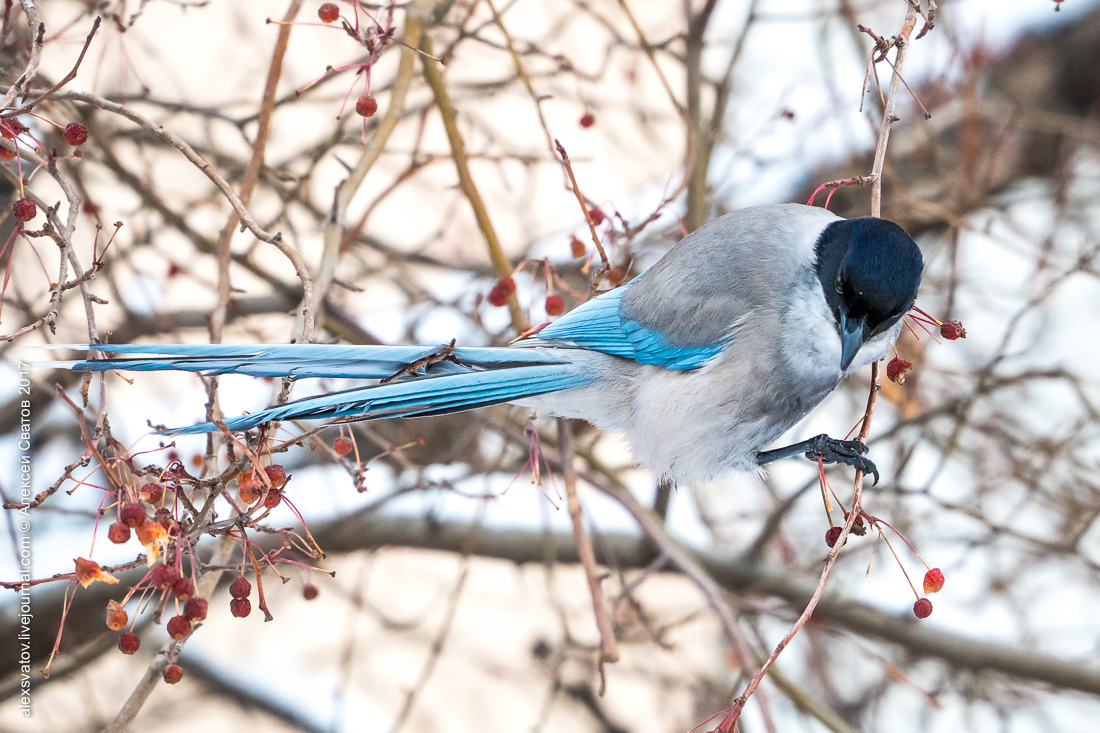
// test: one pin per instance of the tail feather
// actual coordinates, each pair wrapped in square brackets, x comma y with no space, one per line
[436,395]
[301,360]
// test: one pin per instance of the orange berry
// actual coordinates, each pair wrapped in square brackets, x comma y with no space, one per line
[933,581]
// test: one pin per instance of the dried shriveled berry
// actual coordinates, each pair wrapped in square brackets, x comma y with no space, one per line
[896,369]
[173,673]
[151,532]
[12,128]
[277,474]
[952,330]
[163,576]
[342,446]
[183,589]
[555,306]
[249,490]
[577,247]
[75,133]
[119,533]
[587,120]
[240,607]
[366,106]
[196,608]
[832,536]
[179,627]
[151,493]
[273,499]
[933,581]
[328,13]
[129,643]
[24,209]
[132,514]
[116,616]
[922,608]
[309,591]
[240,587]
[598,216]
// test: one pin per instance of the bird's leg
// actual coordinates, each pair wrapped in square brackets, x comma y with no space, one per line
[831,450]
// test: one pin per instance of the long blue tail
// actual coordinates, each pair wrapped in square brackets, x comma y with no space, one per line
[469,378]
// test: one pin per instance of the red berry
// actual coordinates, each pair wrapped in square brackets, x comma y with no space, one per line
[6,153]
[240,607]
[89,208]
[183,589]
[129,643]
[922,608]
[500,292]
[587,120]
[896,369]
[240,587]
[273,498]
[179,627]
[832,536]
[616,275]
[119,533]
[328,13]
[12,128]
[277,474]
[309,591]
[597,216]
[555,306]
[24,209]
[132,514]
[249,490]
[952,330]
[342,446]
[195,609]
[163,576]
[366,106]
[933,581]
[75,133]
[151,493]
[173,673]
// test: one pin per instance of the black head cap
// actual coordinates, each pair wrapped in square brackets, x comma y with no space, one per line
[869,271]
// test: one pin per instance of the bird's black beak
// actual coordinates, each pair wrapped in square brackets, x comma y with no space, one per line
[853,333]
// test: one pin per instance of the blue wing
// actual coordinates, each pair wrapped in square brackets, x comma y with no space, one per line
[416,397]
[301,360]
[600,325]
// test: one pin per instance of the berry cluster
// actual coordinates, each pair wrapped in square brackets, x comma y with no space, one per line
[24,209]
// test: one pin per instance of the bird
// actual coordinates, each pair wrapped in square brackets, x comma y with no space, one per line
[702,361]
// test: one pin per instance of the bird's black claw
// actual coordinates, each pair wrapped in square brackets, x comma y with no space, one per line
[848,452]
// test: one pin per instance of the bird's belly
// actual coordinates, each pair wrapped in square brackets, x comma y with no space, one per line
[692,425]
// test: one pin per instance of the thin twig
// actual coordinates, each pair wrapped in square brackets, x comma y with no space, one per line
[609,648]
[465,179]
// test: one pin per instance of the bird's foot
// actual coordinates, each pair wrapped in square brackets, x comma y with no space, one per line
[848,452]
